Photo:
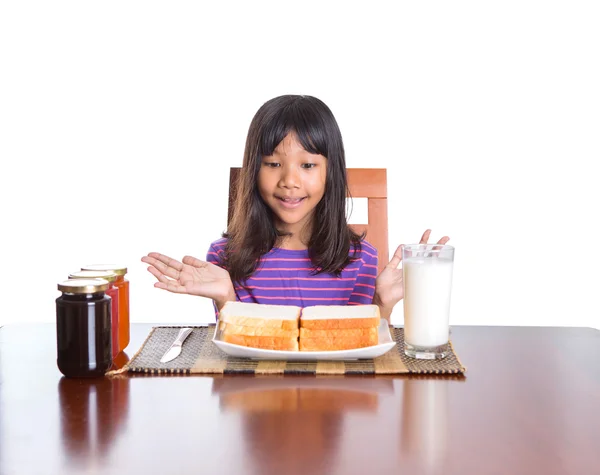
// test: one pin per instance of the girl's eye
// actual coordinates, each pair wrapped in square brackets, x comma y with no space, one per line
[309,165]
[272,164]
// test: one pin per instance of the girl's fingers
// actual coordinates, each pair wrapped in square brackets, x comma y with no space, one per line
[165,283]
[426,236]
[151,260]
[167,271]
[396,258]
[172,286]
[164,264]
[159,275]
[442,241]
[154,272]
[192,261]
[166,260]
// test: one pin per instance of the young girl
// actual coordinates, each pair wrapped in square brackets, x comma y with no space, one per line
[289,242]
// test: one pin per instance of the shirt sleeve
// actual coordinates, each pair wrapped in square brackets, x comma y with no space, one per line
[364,288]
[215,255]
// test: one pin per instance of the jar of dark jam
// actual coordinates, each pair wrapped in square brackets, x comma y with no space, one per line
[113,293]
[83,328]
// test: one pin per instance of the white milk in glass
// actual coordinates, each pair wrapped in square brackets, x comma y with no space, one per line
[427,290]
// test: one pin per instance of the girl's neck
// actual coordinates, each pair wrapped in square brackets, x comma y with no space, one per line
[298,237]
[291,243]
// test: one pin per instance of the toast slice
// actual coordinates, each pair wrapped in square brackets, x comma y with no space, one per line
[336,343]
[257,331]
[284,317]
[339,333]
[263,342]
[331,317]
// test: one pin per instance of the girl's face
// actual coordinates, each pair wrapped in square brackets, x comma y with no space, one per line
[292,182]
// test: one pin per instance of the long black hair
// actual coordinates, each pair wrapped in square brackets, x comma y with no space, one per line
[251,232]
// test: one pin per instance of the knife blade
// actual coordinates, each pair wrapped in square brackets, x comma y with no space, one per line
[175,349]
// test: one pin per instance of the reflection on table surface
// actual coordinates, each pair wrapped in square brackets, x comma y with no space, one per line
[527,410]
[309,420]
[424,423]
[301,419]
[92,413]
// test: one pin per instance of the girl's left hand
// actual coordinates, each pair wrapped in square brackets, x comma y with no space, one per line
[389,285]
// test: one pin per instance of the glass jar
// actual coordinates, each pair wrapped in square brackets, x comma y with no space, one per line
[83,328]
[122,284]
[113,293]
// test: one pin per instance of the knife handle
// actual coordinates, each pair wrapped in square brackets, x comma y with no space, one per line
[183,334]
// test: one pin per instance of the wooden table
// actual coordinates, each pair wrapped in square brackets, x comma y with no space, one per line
[529,404]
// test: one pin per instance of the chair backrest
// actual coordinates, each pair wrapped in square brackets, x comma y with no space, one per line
[370,183]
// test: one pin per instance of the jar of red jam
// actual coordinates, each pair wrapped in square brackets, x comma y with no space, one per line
[83,328]
[113,293]
[122,284]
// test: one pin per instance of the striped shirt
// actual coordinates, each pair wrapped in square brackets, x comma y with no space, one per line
[284,277]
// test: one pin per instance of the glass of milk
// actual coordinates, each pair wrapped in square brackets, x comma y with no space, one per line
[427,272]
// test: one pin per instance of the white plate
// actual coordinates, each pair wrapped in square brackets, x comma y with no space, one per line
[386,343]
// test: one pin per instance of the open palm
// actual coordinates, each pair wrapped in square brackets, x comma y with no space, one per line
[192,276]
[389,285]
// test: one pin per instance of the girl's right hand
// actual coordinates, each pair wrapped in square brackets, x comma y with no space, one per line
[192,276]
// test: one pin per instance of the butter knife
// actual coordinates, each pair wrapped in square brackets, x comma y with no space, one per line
[175,349]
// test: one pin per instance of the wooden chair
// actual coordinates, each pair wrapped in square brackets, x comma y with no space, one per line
[370,183]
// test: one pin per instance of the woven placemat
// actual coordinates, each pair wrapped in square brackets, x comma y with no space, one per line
[200,355]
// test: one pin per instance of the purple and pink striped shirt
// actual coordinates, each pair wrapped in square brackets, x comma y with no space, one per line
[284,277]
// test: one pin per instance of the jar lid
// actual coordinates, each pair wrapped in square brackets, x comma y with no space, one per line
[94,274]
[119,270]
[83,286]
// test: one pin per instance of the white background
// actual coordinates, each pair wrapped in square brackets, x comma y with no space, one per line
[119,122]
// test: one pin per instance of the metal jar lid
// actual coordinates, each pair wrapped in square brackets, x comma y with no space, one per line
[117,269]
[94,274]
[83,286]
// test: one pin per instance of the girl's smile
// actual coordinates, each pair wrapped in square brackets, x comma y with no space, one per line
[290,202]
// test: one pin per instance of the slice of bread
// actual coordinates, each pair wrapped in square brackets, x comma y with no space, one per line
[264,342]
[284,317]
[336,343]
[339,333]
[257,331]
[330,317]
